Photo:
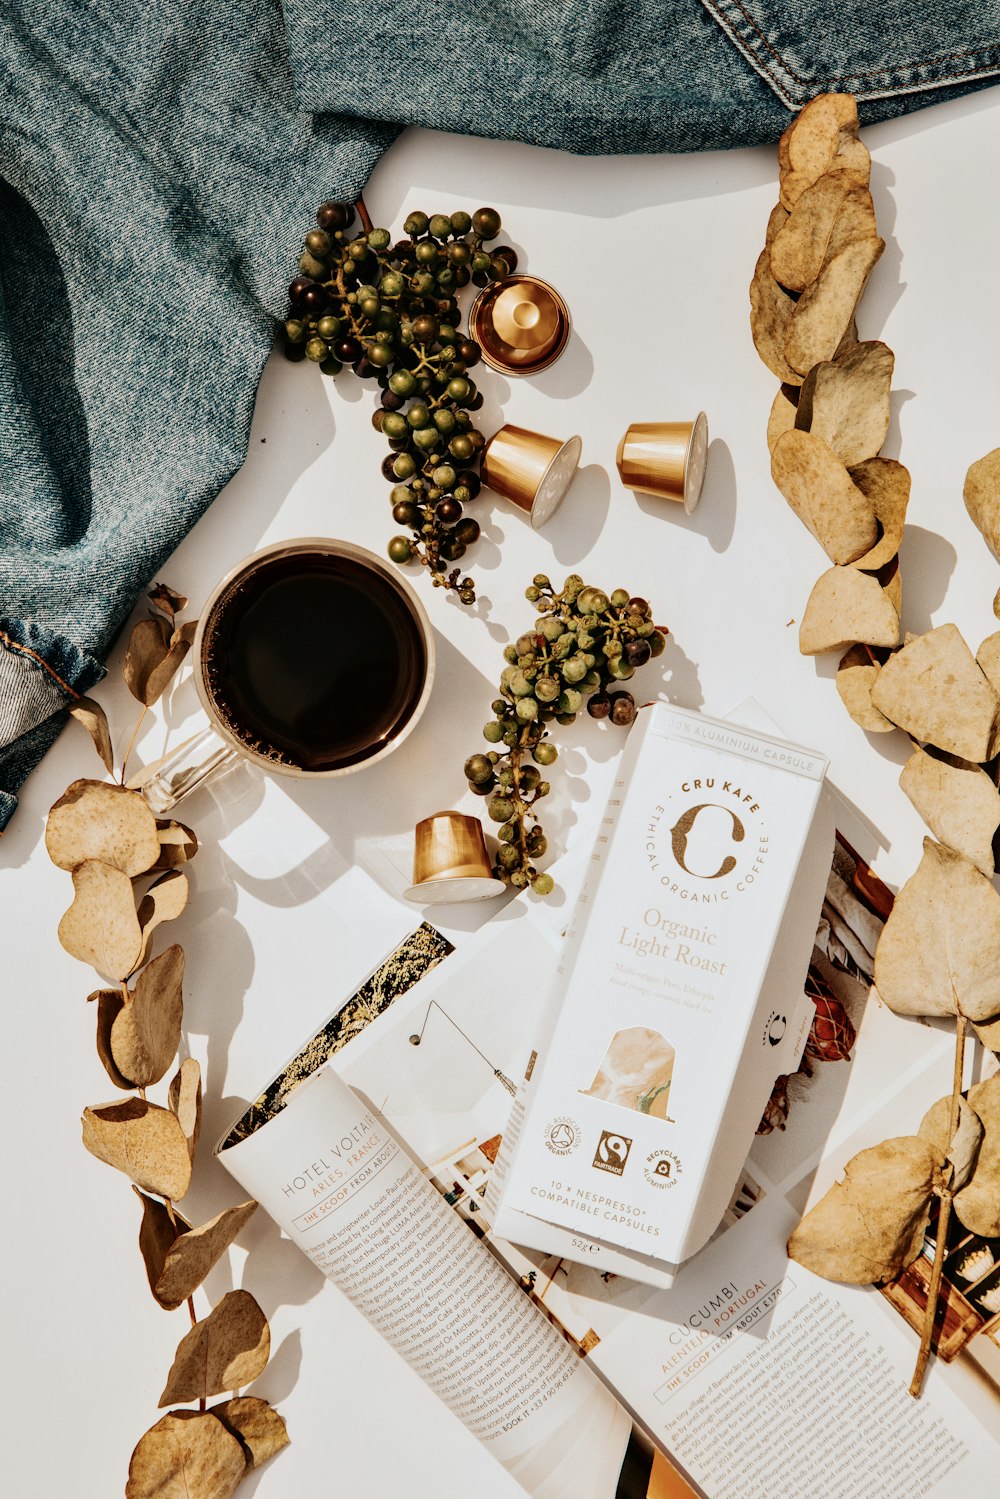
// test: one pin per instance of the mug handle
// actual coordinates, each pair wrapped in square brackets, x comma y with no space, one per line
[164,783]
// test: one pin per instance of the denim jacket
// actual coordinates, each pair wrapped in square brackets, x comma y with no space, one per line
[157,165]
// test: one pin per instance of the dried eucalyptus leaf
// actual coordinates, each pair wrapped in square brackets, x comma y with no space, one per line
[184,1097]
[962,1148]
[94,719]
[934,690]
[988,1032]
[824,311]
[229,1348]
[100,927]
[163,901]
[158,1233]
[93,820]
[996,603]
[958,802]
[177,844]
[144,1141]
[256,1424]
[988,660]
[978,1203]
[823,135]
[886,485]
[110,1003]
[190,1256]
[147,1031]
[771,311]
[846,401]
[982,498]
[782,417]
[148,648]
[164,598]
[161,674]
[871,1225]
[186,1455]
[939,953]
[799,247]
[846,606]
[824,497]
[855,221]
[856,676]
[890,580]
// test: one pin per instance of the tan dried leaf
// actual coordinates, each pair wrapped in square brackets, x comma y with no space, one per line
[996,603]
[939,952]
[824,497]
[847,606]
[871,1225]
[886,485]
[110,1002]
[158,1233]
[93,820]
[962,1148]
[147,1031]
[934,690]
[94,719]
[958,802]
[988,1032]
[855,222]
[191,1255]
[256,1424]
[771,311]
[782,417]
[163,901]
[891,580]
[148,648]
[177,844]
[978,1203]
[100,927]
[164,598]
[855,679]
[824,311]
[988,660]
[228,1348]
[982,498]
[823,135]
[186,1455]
[184,1097]
[846,402]
[144,1141]
[799,246]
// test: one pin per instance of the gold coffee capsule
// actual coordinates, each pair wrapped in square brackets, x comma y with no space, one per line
[666,459]
[521,324]
[532,471]
[450,862]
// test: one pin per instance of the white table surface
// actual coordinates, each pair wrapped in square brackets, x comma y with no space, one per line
[654,256]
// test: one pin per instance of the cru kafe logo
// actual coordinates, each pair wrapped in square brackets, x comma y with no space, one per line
[612,1152]
[706,842]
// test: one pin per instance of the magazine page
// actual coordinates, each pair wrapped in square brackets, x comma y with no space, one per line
[757,1376]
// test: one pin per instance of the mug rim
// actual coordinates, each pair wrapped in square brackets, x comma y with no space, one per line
[330,546]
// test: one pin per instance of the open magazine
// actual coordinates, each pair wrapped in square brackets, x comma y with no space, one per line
[755,1376]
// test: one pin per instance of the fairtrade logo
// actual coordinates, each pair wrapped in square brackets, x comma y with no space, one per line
[662,1168]
[612,1152]
[562,1136]
[681,832]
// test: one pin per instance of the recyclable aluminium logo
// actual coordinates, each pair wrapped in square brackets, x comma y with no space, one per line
[706,840]
[562,1136]
[662,1168]
[612,1152]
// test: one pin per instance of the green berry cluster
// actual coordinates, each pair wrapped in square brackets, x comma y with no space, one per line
[390,311]
[584,641]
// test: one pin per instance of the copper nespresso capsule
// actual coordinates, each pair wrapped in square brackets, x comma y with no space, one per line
[521,324]
[531,470]
[665,459]
[450,862]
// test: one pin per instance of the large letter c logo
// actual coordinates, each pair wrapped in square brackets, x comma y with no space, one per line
[679,837]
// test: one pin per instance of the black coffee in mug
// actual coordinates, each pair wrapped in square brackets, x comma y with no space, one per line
[313,659]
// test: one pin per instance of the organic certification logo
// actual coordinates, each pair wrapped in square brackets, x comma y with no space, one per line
[562,1136]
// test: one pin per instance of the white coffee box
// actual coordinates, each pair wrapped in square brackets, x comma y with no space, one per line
[698,910]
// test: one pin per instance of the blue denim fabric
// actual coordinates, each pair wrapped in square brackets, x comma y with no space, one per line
[157,164]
